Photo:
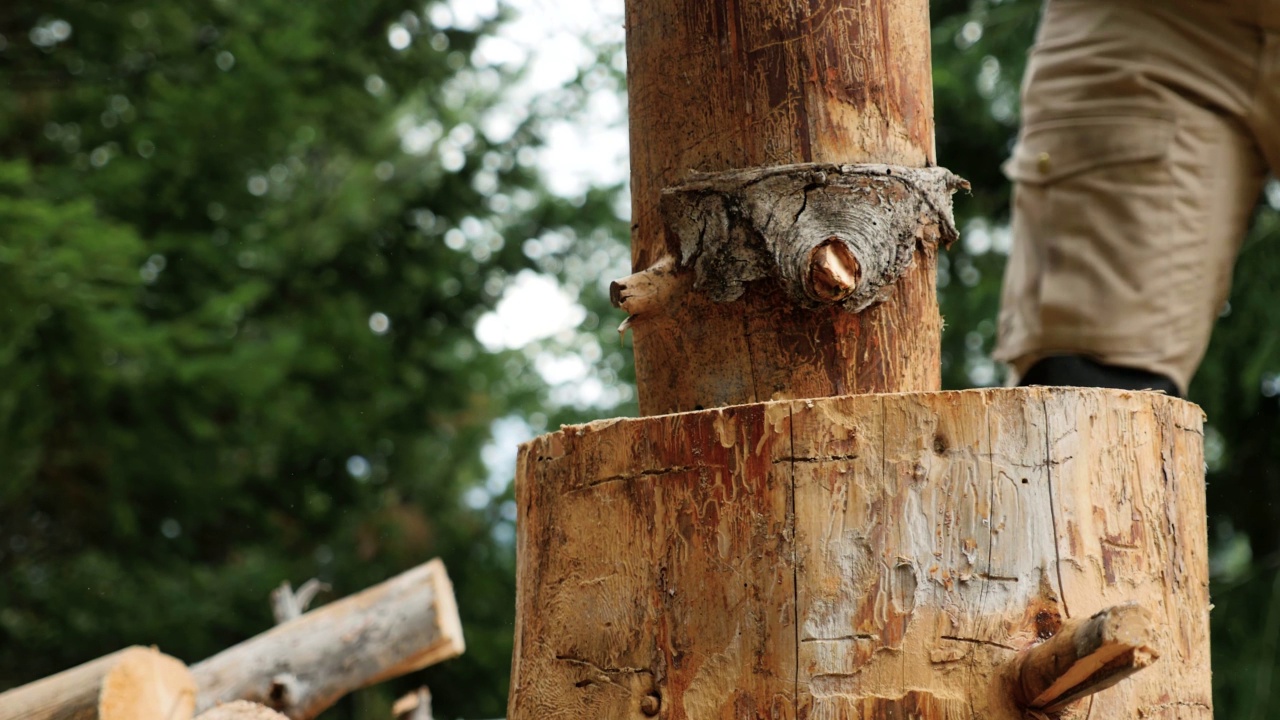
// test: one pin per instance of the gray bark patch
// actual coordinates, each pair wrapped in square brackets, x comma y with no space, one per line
[734,227]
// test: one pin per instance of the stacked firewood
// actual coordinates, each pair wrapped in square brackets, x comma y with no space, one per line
[295,670]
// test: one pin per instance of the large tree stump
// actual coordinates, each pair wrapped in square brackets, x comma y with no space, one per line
[938,556]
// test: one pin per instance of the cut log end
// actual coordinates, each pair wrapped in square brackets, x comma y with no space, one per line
[136,683]
[146,683]
[834,271]
[1085,656]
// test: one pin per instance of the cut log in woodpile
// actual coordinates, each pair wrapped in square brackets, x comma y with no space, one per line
[882,556]
[303,666]
[241,710]
[136,683]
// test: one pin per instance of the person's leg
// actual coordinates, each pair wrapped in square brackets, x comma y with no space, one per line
[1135,177]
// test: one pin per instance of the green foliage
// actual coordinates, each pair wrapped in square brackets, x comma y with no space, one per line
[237,321]
[206,210]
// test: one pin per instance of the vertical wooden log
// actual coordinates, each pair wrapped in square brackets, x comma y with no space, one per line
[935,556]
[720,86]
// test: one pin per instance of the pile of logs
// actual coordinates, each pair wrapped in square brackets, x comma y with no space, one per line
[295,670]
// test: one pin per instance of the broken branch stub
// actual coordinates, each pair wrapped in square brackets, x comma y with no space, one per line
[1085,656]
[832,234]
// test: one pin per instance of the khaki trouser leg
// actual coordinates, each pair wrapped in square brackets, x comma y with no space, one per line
[1137,169]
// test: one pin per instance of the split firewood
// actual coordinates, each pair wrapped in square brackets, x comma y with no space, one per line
[241,710]
[414,706]
[136,683]
[303,666]
[1085,656]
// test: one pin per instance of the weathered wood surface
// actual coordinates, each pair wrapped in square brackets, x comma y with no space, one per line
[720,86]
[303,666]
[136,683]
[414,706]
[241,710]
[857,557]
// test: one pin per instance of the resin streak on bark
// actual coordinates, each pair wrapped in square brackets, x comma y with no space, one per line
[858,557]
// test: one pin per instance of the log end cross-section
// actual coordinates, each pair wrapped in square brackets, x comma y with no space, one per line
[136,683]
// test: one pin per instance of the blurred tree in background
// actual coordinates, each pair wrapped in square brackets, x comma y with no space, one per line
[243,248]
[247,256]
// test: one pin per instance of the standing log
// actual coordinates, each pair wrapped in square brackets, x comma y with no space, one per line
[935,556]
[718,87]
[303,666]
[136,683]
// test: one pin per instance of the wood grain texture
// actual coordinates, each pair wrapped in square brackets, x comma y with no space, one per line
[136,683]
[717,86]
[241,710]
[857,557]
[303,666]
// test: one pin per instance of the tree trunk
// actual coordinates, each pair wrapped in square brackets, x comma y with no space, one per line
[939,556]
[1002,554]
[722,86]
[134,684]
[303,666]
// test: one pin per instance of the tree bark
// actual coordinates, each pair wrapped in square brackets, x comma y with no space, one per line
[303,666]
[930,555]
[722,86]
[241,710]
[136,683]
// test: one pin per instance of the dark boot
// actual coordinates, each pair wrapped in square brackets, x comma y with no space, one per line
[1080,371]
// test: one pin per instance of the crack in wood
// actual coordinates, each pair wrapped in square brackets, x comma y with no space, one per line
[657,472]
[604,670]
[816,458]
[842,638]
[978,641]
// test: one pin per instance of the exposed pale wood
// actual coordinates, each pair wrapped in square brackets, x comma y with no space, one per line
[723,86]
[136,683]
[305,665]
[414,706]
[857,557]
[1085,656]
[241,710]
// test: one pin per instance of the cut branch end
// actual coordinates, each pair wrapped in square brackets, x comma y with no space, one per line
[1085,656]
[834,271]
